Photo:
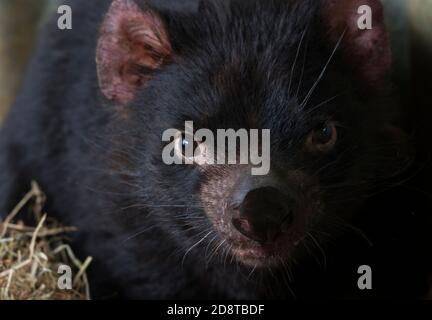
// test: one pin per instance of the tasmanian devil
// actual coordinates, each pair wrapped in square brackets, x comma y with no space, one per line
[89,121]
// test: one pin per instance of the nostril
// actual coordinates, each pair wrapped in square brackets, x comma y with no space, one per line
[245,228]
[263,233]
[264,214]
[241,225]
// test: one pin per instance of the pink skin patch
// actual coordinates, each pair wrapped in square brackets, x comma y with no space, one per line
[129,37]
[367,51]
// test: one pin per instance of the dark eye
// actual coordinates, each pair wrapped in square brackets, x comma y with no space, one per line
[187,148]
[323,138]
[184,142]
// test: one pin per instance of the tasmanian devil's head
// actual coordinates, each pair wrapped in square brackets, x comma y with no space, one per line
[309,72]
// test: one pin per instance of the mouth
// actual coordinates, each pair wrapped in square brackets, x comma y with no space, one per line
[255,249]
[263,255]
[270,251]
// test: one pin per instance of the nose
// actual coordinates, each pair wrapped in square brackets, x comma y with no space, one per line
[264,214]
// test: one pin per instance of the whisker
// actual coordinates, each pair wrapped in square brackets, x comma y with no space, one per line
[313,109]
[134,236]
[296,58]
[252,271]
[319,247]
[314,86]
[302,70]
[339,221]
[209,244]
[216,250]
[194,246]
[143,206]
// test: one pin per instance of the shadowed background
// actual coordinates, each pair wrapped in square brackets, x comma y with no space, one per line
[19,24]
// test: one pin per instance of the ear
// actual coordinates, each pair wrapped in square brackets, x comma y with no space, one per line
[366,50]
[133,43]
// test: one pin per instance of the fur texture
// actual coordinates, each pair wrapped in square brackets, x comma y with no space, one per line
[238,64]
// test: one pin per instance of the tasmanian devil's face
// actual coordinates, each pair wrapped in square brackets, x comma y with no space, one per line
[301,69]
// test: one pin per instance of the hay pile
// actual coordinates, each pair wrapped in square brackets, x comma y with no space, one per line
[30,256]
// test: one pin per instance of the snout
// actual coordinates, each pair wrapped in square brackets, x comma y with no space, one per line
[263,220]
[264,215]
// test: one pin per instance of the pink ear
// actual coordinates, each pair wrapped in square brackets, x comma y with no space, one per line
[367,51]
[132,43]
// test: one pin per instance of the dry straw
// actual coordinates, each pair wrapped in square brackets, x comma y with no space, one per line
[31,255]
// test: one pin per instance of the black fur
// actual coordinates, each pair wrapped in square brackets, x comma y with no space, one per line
[102,170]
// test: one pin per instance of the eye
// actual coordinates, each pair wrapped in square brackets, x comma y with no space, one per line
[187,148]
[185,145]
[323,138]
